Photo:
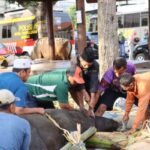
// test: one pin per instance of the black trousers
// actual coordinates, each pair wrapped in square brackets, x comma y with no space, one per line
[109,97]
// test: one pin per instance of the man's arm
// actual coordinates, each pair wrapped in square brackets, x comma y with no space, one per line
[94,99]
[129,103]
[103,85]
[21,105]
[85,95]
[62,95]
[22,110]
[142,107]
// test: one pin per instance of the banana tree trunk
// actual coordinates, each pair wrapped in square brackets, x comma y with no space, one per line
[108,140]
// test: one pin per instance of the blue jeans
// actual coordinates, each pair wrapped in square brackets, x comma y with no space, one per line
[122,50]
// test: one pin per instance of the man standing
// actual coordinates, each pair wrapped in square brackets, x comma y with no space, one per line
[14,81]
[137,86]
[54,85]
[15,132]
[109,88]
[121,39]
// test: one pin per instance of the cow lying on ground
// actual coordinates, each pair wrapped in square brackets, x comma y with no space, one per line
[46,136]
[43,50]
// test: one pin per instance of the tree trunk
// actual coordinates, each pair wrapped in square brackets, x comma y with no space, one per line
[107,30]
[50,26]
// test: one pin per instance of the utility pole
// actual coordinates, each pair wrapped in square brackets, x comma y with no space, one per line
[81,27]
[50,28]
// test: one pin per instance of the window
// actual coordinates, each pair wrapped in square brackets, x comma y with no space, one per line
[144,18]
[120,22]
[6,31]
[144,21]
[132,20]
[93,25]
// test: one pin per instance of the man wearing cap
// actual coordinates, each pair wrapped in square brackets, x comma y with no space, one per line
[15,132]
[54,85]
[14,81]
[90,70]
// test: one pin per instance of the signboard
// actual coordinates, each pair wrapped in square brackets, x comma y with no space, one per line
[79,16]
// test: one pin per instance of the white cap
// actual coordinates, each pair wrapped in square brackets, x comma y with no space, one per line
[7,97]
[22,63]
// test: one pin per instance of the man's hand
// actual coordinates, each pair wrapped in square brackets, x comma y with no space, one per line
[133,130]
[125,117]
[91,113]
[88,113]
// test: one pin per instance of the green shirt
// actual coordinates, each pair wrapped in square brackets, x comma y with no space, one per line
[49,86]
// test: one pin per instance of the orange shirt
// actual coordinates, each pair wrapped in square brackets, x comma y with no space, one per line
[142,92]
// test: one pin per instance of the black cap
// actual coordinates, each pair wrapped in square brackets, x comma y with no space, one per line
[88,54]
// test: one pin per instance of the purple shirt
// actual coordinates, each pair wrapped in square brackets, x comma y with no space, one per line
[110,80]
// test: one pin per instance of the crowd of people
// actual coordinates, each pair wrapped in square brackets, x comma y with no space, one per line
[24,94]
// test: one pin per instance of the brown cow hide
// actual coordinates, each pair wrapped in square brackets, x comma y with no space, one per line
[46,136]
[42,49]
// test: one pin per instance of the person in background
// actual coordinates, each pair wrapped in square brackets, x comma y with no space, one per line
[14,81]
[109,88]
[136,86]
[90,70]
[54,86]
[144,40]
[121,39]
[133,42]
[15,132]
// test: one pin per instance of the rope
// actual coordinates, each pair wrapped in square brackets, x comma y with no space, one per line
[146,125]
[74,137]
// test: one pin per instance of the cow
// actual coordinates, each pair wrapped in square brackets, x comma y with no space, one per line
[42,49]
[46,136]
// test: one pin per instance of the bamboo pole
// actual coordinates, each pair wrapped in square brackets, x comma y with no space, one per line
[84,136]
[109,140]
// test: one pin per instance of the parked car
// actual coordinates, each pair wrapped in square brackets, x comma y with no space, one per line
[141,52]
